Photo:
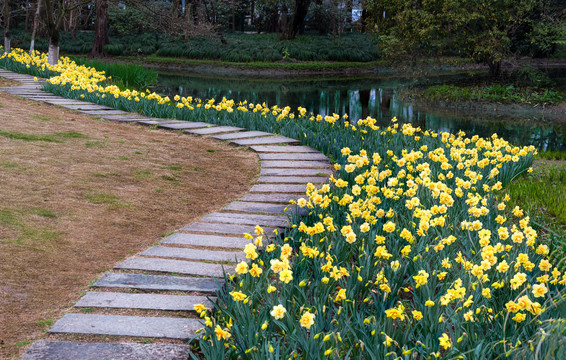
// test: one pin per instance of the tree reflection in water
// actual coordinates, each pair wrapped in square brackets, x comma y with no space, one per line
[359,98]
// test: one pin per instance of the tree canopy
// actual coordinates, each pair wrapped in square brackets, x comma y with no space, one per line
[488,31]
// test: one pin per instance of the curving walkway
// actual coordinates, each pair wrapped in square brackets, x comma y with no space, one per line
[185,268]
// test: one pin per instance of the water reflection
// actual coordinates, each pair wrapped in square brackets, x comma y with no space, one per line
[359,98]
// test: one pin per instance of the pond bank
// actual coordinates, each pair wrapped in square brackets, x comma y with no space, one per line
[292,68]
[551,113]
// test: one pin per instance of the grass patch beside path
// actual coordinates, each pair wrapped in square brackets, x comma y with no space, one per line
[542,195]
[70,212]
[54,138]
[28,137]
[542,191]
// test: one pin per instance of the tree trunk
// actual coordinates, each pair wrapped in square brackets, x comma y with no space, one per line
[349,6]
[212,13]
[197,11]
[221,37]
[7,33]
[364,17]
[175,9]
[298,19]
[283,21]
[26,23]
[252,12]
[101,29]
[318,18]
[273,20]
[7,42]
[88,12]
[495,68]
[53,54]
[35,25]
[233,15]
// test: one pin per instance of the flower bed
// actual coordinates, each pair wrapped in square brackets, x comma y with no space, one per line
[409,252]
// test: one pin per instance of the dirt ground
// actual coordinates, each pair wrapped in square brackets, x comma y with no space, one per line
[78,195]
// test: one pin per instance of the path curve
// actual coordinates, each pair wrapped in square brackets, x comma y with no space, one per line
[185,268]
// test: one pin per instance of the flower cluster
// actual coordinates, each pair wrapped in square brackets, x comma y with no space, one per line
[403,240]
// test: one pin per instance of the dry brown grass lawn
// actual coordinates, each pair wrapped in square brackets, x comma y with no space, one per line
[77,195]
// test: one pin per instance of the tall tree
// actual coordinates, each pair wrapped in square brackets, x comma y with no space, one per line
[35,26]
[100,29]
[6,20]
[297,22]
[482,30]
[55,14]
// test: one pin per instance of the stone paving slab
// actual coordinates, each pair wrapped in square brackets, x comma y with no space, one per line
[157,282]
[242,135]
[122,120]
[26,84]
[285,149]
[214,130]
[206,240]
[88,107]
[247,219]
[127,116]
[104,112]
[296,172]
[265,140]
[279,188]
[222,228]
[171,328]
[295,164]
[172,266]
[58,101]
[141,301]
[292,156]
[150,121]
[194,254]
[270,198]
[24,92]
[63,350]
[46,96]
[184,125]
[256,207]
[292,179]
[39,98]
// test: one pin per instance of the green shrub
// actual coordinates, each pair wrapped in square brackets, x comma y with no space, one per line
[124,75]
[116,49]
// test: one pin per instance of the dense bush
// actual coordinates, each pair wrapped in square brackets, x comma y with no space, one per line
[240,48]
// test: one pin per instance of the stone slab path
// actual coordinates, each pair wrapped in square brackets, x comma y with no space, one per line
[187,267]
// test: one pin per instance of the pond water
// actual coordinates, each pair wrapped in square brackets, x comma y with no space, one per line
[369,96]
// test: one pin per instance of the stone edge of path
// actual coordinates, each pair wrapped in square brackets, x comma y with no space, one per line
[286,167]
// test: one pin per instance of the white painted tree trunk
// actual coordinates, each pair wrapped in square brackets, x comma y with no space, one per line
[53,55]
[35,25]
[7,47]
